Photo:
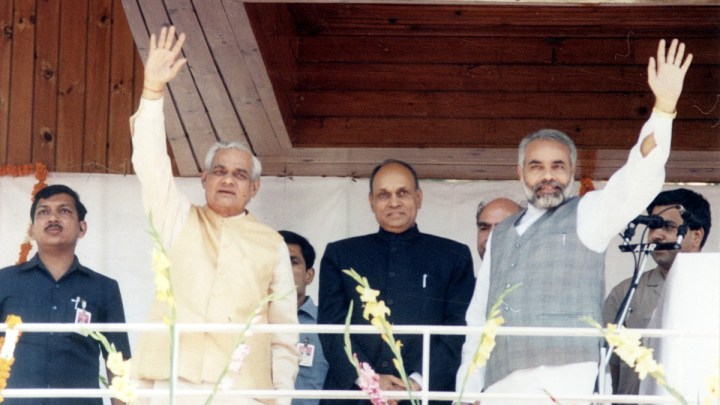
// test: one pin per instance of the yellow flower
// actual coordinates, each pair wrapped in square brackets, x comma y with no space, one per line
[487,343]
[629,353]
[123,389]
[114,363]
[367,294]
[379,323]
[621,337]
[160,261]
[628,347]
[645,364]
[376,310]
[12,321]
[711,387]
[396,363]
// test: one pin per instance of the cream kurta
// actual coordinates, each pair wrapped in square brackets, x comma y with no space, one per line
[221,268]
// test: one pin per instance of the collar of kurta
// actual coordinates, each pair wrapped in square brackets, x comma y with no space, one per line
[408,235]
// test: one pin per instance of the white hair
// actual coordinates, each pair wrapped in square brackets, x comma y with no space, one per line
[210,157]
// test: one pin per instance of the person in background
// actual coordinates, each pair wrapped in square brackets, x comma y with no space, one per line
[490,214]
[53,287]
[313,365]
[667,205]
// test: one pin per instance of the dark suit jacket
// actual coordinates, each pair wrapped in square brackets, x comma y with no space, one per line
[423,279]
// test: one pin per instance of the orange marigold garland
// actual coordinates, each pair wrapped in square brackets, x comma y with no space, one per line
[41,173]
[7,350]
[586,185]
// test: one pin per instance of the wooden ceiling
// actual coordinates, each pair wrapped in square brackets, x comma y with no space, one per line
[334,88]
[322,88]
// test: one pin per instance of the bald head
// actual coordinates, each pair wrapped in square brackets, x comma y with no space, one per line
[491,214]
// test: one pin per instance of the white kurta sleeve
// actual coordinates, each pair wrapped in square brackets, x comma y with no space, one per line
[603,213]
[169,208]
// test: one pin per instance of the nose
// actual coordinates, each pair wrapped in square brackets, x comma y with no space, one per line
[227,178]
[548,175]
[656,235]
[394,200]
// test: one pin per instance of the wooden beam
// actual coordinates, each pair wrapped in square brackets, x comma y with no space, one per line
[184,158]
[487,132]
[122,73]
[490,77]
[644,3]
[6,24]
[19,138]
[97,111]
[232,66]
[208,81]
[257,68]
[475,164]
[45,131]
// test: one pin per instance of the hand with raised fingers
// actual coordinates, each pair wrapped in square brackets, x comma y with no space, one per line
[163,61]
[667,73]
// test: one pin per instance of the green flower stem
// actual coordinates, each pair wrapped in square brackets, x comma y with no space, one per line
[494,313]
[240,340]
[387,334]
[173,314]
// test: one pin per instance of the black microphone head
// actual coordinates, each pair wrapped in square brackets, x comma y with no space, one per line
[651,221]
[655,222]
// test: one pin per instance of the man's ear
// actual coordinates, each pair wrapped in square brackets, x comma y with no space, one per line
[309,275]
[83,228]
[254,187]
[203,178]
[697,237]
[419,198]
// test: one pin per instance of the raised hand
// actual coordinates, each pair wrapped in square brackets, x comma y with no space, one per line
[163,62]
[666,74]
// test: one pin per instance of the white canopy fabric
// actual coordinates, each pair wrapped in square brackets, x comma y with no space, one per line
[323,209]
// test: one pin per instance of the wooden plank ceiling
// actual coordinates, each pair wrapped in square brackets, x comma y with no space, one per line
[322,88]
[334,88]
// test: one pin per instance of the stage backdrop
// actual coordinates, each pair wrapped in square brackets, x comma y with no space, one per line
[323,209]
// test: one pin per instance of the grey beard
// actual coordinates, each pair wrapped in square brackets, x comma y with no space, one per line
[546,201]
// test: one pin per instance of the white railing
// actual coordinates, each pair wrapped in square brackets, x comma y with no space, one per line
[424,395]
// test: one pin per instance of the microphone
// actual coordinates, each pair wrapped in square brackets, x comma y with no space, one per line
[652,221]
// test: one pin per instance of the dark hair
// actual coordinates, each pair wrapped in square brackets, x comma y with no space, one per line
[291,238]
[394,161]
[696,206]
[50,191]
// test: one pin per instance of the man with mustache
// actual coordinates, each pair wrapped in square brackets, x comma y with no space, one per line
[666,205]
[556,248]
[53,287]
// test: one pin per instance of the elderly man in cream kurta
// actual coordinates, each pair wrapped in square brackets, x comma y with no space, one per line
[223,260]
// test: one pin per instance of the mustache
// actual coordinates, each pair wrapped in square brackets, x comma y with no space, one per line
[553,183]
[53,226]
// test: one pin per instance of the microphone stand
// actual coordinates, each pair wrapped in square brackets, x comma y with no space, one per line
[644,249]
